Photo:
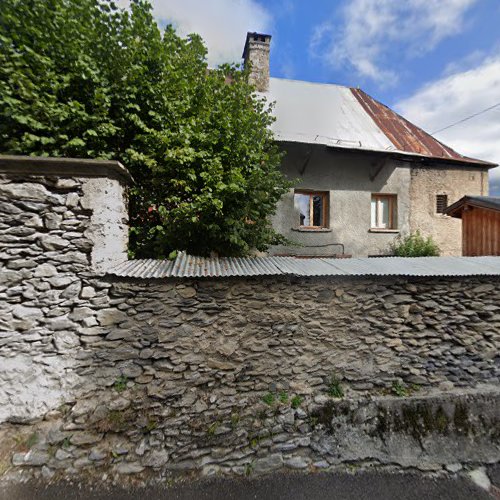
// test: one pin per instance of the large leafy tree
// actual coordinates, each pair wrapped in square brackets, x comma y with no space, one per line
[83,78]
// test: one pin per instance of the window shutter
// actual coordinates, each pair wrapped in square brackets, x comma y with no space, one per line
[441,203]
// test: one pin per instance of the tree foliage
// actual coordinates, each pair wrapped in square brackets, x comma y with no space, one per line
[83,78]
[415,245]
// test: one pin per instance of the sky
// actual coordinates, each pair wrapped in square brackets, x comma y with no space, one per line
[435,62]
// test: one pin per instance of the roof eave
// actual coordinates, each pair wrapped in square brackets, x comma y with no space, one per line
[472,162]
[456,209]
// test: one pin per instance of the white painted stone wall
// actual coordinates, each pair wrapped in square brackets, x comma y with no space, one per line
[108,228]
[59,220]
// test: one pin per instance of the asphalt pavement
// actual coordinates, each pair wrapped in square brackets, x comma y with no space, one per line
[326,486]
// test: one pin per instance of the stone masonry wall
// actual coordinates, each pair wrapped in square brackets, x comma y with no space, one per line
[237,375]
[428,182]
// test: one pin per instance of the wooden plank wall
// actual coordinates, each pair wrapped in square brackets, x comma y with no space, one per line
[480,232]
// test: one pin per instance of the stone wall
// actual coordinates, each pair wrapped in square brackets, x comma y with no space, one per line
[237,374]
[240,375]
[59,219]
[454,182]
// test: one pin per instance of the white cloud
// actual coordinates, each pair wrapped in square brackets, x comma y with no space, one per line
[223,24]
[457,96]
[374,30]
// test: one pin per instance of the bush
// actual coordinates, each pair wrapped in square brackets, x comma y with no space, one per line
[415,245]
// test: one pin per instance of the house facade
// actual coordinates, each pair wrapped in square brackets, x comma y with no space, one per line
[364,174]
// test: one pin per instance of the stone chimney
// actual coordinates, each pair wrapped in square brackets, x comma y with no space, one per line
[256,52]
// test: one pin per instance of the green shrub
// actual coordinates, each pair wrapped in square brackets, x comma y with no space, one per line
[415,245]
[88,79]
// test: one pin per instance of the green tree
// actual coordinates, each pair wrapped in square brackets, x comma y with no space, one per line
[83,78]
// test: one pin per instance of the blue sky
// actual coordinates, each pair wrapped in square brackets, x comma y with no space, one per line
[434,61]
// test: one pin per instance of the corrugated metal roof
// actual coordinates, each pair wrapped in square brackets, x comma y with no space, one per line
[186,266]
[343,117]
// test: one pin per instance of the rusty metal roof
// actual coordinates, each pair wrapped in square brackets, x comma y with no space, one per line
[187,266]
[348,118]
[405,135]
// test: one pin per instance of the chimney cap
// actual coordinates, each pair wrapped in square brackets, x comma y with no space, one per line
[255,37]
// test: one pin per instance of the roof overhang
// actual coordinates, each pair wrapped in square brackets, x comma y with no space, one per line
[395,153]
[456,209]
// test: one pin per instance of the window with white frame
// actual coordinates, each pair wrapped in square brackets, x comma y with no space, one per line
[384,211]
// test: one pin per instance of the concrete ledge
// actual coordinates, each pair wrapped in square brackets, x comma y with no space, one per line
[70,167]
[312,230]
[422,431]
[375,230]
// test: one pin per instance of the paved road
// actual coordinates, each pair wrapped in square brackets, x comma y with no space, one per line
[360,486]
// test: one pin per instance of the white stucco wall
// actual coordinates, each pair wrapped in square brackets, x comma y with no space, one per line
[108,222]
[347,178]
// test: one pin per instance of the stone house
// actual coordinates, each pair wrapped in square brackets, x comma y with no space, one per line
[365,174]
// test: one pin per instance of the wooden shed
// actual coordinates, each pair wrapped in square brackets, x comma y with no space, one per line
[480,224]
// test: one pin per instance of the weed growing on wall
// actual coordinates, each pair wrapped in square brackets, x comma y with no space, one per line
[399,389]
[283,397]
[120,384]
[334,389]
[269,398]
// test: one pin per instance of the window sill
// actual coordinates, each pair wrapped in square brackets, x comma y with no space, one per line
[312,229]
[376,230]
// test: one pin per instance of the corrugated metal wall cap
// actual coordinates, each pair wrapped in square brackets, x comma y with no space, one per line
[188,266]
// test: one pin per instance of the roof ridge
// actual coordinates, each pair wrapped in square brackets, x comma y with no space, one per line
[324,84]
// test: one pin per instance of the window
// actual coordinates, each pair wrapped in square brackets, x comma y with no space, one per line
[384,211]
[312,208]
[441,203]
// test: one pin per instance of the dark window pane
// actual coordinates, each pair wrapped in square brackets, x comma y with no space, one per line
[317,210]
